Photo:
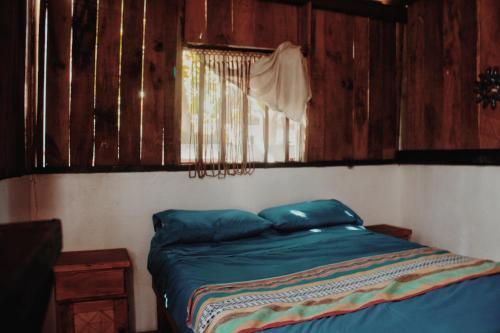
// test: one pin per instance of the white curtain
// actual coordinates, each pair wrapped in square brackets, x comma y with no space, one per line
[281,81]
[224,132]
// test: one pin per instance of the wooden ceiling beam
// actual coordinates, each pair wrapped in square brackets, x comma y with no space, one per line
[387,10]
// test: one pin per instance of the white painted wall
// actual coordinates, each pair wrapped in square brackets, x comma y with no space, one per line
[457,207]
[114,210]
[453,207]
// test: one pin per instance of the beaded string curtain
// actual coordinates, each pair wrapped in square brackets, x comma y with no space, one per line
[224,132]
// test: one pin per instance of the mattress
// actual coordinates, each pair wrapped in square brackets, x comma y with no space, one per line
[179,270]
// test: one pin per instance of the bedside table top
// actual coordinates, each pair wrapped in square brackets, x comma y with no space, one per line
[74,261]
[386,227]
[390,230]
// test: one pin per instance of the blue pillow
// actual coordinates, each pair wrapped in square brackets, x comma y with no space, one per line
[310,214]
[190,226]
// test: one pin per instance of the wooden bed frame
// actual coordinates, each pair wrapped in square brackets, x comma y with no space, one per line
[166,323]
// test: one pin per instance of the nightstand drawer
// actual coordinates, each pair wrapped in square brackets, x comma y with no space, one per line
[78,285]
[94,316]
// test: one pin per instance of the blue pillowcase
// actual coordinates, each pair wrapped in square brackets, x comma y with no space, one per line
[310,214]
[190,226]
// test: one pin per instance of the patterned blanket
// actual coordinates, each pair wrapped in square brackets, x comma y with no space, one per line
[329,290]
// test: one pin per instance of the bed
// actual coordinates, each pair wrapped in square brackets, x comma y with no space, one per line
[188,275]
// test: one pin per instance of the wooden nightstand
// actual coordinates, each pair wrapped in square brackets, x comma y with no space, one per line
[93,291]
[391,230]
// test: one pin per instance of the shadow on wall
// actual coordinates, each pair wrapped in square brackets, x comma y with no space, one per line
[15,199]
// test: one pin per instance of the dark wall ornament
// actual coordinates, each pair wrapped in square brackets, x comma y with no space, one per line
[488,88]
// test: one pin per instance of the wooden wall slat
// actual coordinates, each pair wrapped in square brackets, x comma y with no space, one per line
[383,122]
[195,21]
[442,57]
[130,115]
[401,78]
[244,20]
[173,85]
[107,81]
[339,82]
[390,118]
[12,35]
[41,92]
[275,23]
[82,86]
[469,120]
[377,89]
[489,55]
[459,120]
[220,19]
[412,117]
[361,81]
[305,23]
[156,72]
[315,112]
[31,85]
[422,117]
[57,94]
[431,99]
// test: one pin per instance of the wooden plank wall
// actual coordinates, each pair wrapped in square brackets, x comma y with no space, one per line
[354,110]
[131,74]
[12,36]
[58,83]
[243,23]
[383,90]
[104,92]
[107,82]
[109,77]
[110,102]
[353,61]
[449,43]
[82,86]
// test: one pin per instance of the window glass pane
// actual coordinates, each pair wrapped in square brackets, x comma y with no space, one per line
[276,137]
[211,113]
[234,122]
[256,124]
[190,96]
[296,140]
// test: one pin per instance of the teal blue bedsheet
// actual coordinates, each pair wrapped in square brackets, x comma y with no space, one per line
[178,270]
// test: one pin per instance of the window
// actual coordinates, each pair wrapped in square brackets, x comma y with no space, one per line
[223,130]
